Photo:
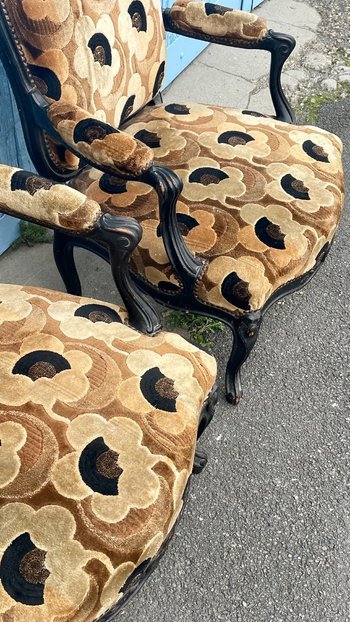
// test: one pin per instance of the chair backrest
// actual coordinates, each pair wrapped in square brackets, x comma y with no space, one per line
[106,56]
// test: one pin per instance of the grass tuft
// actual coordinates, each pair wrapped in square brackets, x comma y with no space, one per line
[200,329]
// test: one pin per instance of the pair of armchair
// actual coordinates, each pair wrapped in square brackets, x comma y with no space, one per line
[213,210]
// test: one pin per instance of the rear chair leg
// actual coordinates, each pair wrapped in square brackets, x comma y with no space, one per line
[63,251]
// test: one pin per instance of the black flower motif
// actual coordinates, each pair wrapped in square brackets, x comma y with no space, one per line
[46,81]
[270,234]
[23,572]
[138,16]
[159,390]
[89,130]
[207,175]
[99,468]
[23,180]
[295,187]
[101,49]
[98,313]
[151,139]
[41,364]
[315,151]
[236,291]
[178,109]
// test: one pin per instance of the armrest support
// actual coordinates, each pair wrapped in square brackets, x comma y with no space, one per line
[74,217]
[220,24]
[100,144]
[217,24]
[28,196]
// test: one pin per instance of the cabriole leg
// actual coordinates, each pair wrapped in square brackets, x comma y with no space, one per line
[245,332]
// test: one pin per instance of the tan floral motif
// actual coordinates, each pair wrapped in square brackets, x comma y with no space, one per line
[164,386]
[137,30]
[163,139]
[166,280]
[113,590]
[317,149]
[196,227]
[52,204]
[88,65]
[13,437]
[14,303]
[41,9]
[132,101]
[123,460]
[133,195]
[39,381]
[28,450]
[206,179]
[284,237]
[232,141]
[184,114]
[248,269]
[305,190]
[247,117]
[100,327]
[50,532]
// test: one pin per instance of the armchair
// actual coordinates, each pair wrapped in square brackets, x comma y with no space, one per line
[98,427]
[237,209]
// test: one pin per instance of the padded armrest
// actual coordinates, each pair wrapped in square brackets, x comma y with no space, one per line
[100,144]
[215,22]
[28,196]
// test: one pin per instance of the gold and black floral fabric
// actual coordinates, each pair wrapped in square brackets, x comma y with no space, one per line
[56,205]
[99,143]
[217,22]
[105,56]
[261,199]
[98,427]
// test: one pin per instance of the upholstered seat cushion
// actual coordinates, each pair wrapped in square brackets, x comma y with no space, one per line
[98,426]
[261,199]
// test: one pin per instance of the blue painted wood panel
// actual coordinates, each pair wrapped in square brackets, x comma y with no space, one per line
[13,151]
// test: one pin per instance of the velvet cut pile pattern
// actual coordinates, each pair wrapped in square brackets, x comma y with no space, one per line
[106,57]
[98,426]
[261,199]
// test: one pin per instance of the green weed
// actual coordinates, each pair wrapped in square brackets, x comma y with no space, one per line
[31,234]
[200,329]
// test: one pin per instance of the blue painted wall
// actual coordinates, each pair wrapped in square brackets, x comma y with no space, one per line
[12,151]
[182,50]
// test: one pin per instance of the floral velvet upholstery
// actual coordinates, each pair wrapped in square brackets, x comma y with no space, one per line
[105,56]
[261,199]
[98,142]
[98,427]
[217,22]
[56,205]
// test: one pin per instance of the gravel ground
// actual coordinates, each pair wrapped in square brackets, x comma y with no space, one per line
[334,31]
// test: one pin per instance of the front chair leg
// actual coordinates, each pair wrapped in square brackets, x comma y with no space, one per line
[121,235]
[63,251]
[245,332]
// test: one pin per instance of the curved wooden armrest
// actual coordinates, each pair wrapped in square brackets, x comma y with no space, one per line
[215,22]
[100,144]
[28,196]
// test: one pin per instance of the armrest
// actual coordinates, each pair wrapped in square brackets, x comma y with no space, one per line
[215,23]
[100,144]
[28,196]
